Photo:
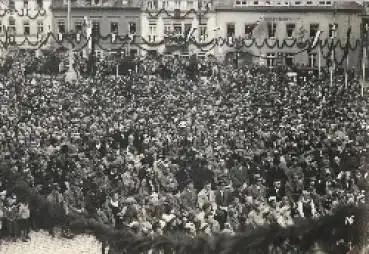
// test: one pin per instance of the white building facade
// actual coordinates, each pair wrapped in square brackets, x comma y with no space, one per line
[273,32]
[164,21]
[23,21]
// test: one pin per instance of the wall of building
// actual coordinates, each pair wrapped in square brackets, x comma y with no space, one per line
[302,21]
[163,20]
[105,17]
[37,16]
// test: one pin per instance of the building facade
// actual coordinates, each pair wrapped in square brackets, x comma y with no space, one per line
[181,27]
[23,23]
[110,21]
[273,31]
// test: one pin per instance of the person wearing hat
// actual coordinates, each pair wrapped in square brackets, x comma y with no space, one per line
[277,190]
[2,208]
[11,216]
[24,215]
[207,196]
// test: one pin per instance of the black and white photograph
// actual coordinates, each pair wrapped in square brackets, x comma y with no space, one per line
[184,127]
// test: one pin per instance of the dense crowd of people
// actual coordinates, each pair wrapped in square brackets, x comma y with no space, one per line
[165,149]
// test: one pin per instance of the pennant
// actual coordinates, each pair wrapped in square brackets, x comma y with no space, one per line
[316,39]
[190,34]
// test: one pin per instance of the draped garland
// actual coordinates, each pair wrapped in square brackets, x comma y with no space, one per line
[191,11]
[237,43]
[24,13]
[333,234]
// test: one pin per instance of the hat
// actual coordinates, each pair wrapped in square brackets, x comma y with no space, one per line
[206,205]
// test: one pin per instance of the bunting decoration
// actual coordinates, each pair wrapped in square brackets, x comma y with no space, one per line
[83,40]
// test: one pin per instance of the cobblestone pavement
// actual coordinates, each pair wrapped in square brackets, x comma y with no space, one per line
[42,243]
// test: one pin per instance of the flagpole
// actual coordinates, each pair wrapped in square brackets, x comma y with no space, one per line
[71,75]
[363,69]
[347,53]
[319,60]
[364,62]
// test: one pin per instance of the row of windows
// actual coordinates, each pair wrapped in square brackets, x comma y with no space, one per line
[272,29]
[12,27]
[289,58]
[177,4]
[11,4]
[114,27]
[281,3]
[178,29]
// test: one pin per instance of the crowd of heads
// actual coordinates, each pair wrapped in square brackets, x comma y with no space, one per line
[168,148]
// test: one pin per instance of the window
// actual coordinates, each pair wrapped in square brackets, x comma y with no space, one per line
[177,4]
[322,2]
[272,28]
[167,29]
[328,2]
[133,52]
[26,28]
[256,2]
[289,59]
[61,27]
[271,59]
[11,4]
[312,60]
[12,28]
[203,33]
[132,27]
[248,30]
[231,30]
[309,2]
[332,30]
[313,30]
[40,26]
[297,2]
[178,29]
[290,28]
[114,27]
[238,3]
[25,4]
[267,2]
[40,3]
[1,27]
[78,27]
[152,32]
[96,27]
[190,5]
[151,4]
[164,4]
[187,28]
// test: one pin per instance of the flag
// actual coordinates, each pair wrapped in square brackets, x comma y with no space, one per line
[257,24]
[348,34]
[190,34]
[316,39]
